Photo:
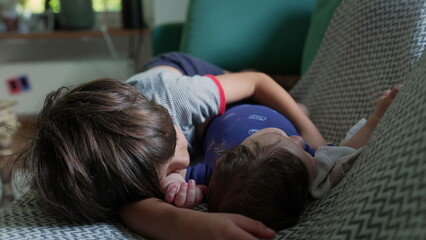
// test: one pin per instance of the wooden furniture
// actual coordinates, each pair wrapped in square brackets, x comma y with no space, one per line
[72,34]
[135,38]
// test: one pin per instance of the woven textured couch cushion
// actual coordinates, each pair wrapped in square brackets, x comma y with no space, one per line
[371,45]
[25,219]
[234,34]
[368,47]
[384,195]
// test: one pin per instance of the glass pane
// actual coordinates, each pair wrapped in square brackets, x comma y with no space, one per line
[106,5]
[34,6]
[37,6]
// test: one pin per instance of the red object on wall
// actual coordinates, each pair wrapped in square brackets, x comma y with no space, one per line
[14,85]
[18,84]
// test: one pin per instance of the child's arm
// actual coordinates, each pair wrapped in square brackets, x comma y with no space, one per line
[157,219]
[181,193]
[361,137]
[264,90]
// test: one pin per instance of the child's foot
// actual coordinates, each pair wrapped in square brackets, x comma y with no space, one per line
[385,101]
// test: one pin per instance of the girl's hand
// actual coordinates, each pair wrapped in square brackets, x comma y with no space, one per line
[180,193]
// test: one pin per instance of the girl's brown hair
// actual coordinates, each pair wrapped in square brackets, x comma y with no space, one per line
[98,146]
[268,184]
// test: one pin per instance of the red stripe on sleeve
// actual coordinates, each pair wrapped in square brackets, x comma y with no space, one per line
[222,105]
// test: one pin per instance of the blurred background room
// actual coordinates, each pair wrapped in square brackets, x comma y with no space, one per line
[45,44]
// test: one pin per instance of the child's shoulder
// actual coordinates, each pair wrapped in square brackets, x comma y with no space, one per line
[148,75]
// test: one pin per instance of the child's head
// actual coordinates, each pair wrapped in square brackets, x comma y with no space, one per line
[266,177]
[98,146]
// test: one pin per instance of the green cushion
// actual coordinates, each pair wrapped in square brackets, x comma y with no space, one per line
[166,38]
[320,19]
[265,35]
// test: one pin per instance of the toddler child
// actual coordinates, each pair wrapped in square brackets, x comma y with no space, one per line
[270,171]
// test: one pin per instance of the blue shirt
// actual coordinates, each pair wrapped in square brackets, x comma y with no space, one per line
[230,129]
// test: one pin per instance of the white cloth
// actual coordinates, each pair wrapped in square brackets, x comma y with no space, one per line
[333,162]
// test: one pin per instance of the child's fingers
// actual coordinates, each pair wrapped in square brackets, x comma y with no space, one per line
[199,194]
[394,91]
[181,195]
[385,93]
[203,189]
[190,194]
[171,193]
[385,100]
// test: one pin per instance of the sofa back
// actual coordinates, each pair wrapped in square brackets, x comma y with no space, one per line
[371,45]
[237,34]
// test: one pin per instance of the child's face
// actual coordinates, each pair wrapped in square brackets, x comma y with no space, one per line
[293,144]
[180,159]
